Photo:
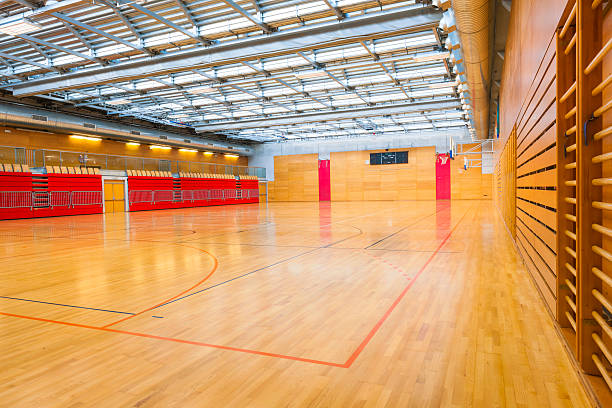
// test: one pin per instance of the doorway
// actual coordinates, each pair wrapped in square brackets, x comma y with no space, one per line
[114,196]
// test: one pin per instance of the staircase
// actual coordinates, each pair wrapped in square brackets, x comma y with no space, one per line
[40,188]
[238,188]
[176,190]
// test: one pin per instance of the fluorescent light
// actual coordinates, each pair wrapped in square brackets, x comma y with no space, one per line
[93,139]
[202,89]
[160,147]
[18,26]
[231,155]
[132,144]
[310,74]
[208,153]
[188,150]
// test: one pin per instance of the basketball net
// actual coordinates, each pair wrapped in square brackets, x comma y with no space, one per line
[443,159]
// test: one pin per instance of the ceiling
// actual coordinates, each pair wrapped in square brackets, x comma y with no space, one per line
[251,70]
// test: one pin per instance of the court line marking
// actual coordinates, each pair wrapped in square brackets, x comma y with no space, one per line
[262,268]
[195,343]
[379,324]
[182,243]
[402,229]
[213,269]
[349,362]
[65,305]
[330,246]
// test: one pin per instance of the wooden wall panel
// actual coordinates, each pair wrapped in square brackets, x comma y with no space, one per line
[60,141]
[536,172]
[531,29]
[353,180]
[469,184]
[296,178]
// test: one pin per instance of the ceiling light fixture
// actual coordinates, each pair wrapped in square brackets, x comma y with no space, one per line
[132,144]
[231,155]
[93,139]
[159,147]
[188,150]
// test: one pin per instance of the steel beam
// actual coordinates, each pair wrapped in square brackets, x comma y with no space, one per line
[253,19]
[288,120]
[95,30]
[33,4]
[162,20]
[329,34]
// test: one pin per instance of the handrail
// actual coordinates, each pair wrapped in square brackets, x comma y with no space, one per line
[50,157]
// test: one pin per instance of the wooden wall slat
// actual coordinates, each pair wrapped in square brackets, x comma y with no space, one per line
[547,119]
[545,197]
[544,141]
[546,216]
[540,106]
[549,298]
[546,178]
[543,233]
[544,160]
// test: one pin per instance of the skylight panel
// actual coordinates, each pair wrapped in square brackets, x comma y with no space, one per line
[212,116]
[278,92]
[344,53]
[370,80]
[396,96]
[225,26]
[148,85]
[239,97]
[287,13]
[241,113]
[421,73]
[284,63]
[321,86]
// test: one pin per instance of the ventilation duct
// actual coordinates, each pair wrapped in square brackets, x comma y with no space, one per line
[474,32]
[21,116]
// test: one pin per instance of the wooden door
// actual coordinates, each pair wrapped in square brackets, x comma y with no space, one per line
[114,196]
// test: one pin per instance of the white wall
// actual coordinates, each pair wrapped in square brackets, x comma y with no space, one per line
[263,155]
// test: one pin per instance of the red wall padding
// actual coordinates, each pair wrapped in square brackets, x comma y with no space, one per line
[190,189]
[67,190]
[62,189]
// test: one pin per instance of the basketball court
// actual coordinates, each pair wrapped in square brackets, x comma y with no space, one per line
[305,203]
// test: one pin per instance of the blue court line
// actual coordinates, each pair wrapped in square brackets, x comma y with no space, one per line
[158,317]
[61,304]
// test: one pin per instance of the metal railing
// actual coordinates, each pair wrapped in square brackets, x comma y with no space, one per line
[49,199]
[44,157]
[159,196]
[16,199]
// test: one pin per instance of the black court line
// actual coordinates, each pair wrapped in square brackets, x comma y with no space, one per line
[61,304]
[262,268]
[400,230]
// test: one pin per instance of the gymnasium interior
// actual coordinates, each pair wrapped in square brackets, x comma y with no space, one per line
[305,203]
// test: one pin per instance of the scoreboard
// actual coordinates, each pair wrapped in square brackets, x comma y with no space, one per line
[388,158]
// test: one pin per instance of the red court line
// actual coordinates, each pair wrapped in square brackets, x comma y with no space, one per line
[375,329]
[347,364]
[214,268]
[194,343]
